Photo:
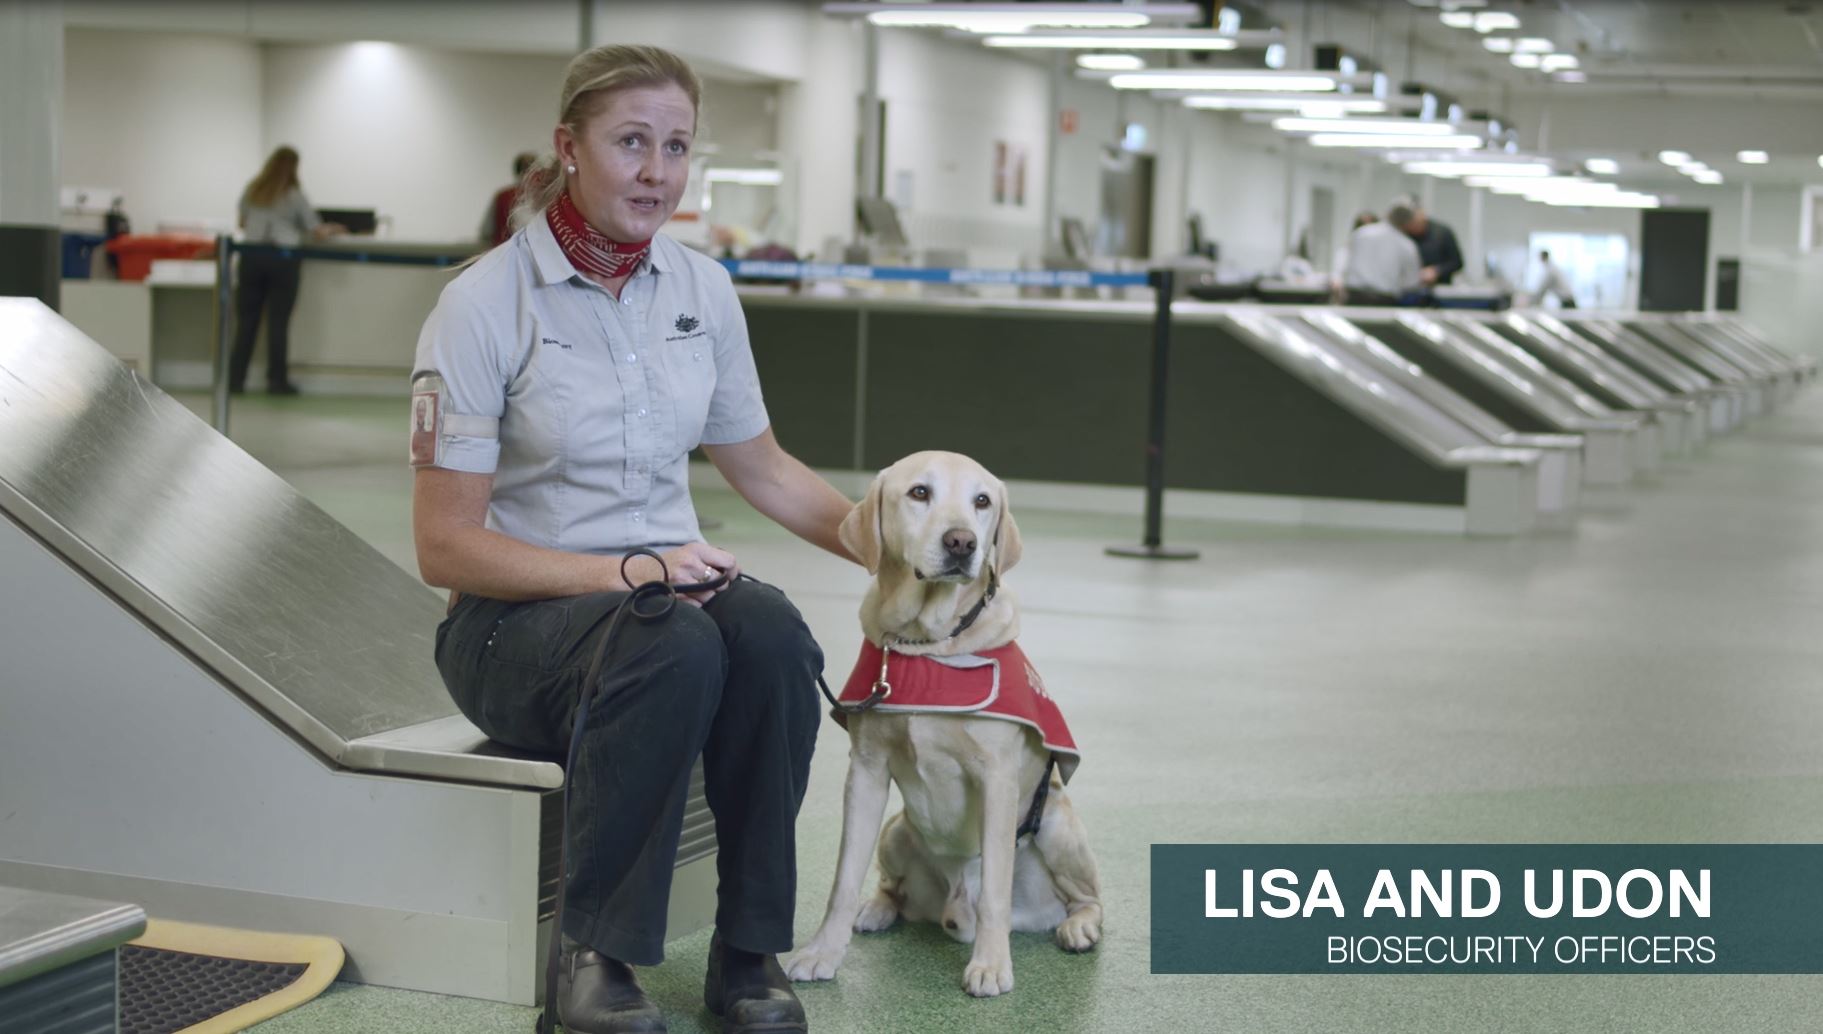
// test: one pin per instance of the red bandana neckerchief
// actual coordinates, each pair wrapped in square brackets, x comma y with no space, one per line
[586,247]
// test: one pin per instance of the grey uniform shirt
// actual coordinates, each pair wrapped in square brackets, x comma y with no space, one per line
[599,399]
[285,222]
[1382,259]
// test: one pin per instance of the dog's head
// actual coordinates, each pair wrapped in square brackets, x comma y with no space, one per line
[939,514]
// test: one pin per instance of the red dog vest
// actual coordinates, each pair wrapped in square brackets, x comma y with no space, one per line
[998,683]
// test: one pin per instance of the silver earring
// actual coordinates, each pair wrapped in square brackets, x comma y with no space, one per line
[572,170]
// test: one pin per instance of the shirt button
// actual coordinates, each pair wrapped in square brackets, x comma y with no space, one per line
[639,516]
[698,356]
[642,412]
[631,358]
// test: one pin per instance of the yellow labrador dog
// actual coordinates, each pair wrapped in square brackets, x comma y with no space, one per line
[935,532]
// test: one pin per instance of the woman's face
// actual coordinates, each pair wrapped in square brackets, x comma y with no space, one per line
[632,159]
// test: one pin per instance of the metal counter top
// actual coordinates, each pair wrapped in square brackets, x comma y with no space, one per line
[276,598]
[41,932]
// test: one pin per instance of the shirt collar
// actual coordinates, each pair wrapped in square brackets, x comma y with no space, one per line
[554,266]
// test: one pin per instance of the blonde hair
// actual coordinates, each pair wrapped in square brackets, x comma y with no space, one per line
[276,178]
[592,77]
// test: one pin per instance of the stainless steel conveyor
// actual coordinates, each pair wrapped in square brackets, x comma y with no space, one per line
[221,704]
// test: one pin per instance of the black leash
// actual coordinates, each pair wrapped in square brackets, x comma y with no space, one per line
[649,601]
[1036,815]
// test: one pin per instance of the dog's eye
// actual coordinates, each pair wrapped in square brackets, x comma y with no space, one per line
[919,492]
[982,502]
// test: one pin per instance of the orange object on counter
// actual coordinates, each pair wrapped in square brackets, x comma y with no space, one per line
[135,252]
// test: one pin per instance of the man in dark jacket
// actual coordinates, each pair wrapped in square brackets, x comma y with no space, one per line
[1436,248]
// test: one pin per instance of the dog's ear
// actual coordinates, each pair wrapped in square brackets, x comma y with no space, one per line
[860,530]
[1007,548]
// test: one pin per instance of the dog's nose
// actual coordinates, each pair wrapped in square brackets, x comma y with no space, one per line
[959,542]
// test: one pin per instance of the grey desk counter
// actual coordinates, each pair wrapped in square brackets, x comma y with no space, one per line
[1056,391]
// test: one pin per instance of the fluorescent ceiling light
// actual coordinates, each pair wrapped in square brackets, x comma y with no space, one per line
[1452,170]
[1753,157]
[1363,125]
[1525,60]
[1276,56]
[1314,107]
[1674,157]
[1619,199]
[1015,17]
[1708,177]
[1579,193]
[1133,39]
[1533,45]
[749,177]
[1572,77]
[1184,79]
[1496,21]
[1820,159]
[1462,142]
[1602,166]
[1504,184]
[1111,62]
[1559,62]
[1499,44]
[1326,108]
[1458,19]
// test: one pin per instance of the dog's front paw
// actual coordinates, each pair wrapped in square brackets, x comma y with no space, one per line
[815,962]
[1080,931]
[878,914]
[986,978]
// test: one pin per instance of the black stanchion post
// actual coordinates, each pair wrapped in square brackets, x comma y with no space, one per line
[224,321]
[1153,545]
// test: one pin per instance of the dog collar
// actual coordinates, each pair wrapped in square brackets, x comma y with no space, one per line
[993,586]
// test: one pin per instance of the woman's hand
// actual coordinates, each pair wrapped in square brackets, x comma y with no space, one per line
[691,564]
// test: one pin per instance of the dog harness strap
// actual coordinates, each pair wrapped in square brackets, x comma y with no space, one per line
[1035,817]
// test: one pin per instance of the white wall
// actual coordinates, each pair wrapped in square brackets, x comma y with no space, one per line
[424,136]
[947,103]
[173,122]
[818,128]
[766,38]
[527,26]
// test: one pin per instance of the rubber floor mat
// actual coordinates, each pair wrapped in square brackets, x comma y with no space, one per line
[182,978]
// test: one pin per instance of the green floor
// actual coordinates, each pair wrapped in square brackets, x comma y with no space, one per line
[1655,675]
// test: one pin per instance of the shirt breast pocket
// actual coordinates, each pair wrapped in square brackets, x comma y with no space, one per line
[693,379]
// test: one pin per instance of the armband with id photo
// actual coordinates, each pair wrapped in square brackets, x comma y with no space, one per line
[432,422]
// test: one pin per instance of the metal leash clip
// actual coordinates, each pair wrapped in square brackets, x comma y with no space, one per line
[882,689]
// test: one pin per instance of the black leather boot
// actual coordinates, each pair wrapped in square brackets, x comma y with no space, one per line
[598,995]
[751,993]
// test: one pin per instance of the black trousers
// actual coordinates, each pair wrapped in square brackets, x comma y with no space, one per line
[733,682]
[267,282]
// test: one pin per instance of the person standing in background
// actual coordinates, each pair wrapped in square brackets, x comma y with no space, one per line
[115,224]
[1383,264]
[1436,247]
[1553,281]
[274,211]
[1338,266]
[497,223]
